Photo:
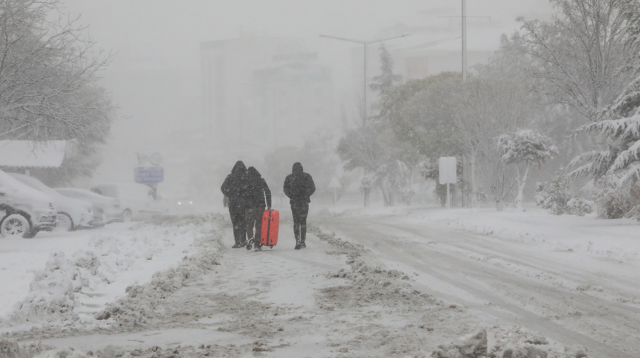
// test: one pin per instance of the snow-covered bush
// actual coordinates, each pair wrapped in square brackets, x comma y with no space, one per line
[553,195]
[557,198]
[615,201]
[579,206]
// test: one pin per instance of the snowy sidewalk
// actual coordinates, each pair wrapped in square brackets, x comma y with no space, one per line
[613,239]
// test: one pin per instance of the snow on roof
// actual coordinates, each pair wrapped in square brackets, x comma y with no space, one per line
[29,154]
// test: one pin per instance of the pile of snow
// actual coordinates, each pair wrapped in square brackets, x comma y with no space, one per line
[137,308]
[74,286]
[513,342]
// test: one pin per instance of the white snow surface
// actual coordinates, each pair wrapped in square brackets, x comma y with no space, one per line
[588,235]
[616,239]
[336,298]
[83,270]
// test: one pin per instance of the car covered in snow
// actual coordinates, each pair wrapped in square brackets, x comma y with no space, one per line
[137,201]
[72,213]
[24,211]
[108,207]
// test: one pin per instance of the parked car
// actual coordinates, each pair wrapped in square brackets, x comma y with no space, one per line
[72,213]
[108,207]
[24,211]
[137,201]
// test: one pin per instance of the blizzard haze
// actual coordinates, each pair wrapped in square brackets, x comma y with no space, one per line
[156,76]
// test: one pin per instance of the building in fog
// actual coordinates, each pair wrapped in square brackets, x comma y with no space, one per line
[260,93]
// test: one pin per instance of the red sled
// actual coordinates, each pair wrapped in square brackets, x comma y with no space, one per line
[270,225]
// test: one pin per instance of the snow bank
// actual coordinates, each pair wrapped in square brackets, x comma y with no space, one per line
[613,239]
[73,287]
[137,308]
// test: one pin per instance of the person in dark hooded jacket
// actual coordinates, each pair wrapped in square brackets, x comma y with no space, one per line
[298,187]
[257,194]
[233,188]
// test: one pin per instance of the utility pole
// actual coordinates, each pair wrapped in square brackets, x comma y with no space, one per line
[464,40]
[365,44]
[472,157]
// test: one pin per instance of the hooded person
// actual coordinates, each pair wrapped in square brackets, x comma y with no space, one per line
[233,189]
[256,194]
[298,187]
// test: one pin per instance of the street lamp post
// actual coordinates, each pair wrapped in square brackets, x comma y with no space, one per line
[365,44]
[275,90]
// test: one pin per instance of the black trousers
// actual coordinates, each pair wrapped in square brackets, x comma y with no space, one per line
[300,212]
[253,217]
[237,214]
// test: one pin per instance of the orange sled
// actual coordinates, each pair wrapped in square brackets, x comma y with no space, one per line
[270,224]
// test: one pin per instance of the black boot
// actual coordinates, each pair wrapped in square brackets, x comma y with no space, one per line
[303,236]
[298,243]
[250,244]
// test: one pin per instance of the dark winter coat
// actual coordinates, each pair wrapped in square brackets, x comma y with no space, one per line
[234,185]
[256,190]
[299,186]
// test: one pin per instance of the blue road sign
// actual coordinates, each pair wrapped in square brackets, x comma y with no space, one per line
[148,175]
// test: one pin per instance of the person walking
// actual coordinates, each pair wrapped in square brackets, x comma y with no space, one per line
[233,188]
[298,187]
[257,194]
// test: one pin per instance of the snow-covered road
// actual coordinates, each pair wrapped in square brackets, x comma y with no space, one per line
[570,298]
[383,285]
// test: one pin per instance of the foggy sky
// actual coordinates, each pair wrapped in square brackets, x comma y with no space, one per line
[167,34]
[169,31]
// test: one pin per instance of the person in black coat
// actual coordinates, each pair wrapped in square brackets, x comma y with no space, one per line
[233,188]
[298,187]
[257,194]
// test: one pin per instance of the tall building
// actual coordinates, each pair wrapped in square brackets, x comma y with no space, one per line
[261,92]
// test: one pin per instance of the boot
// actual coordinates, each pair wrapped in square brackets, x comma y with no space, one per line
[250,244]
[298,243]
[303,236]
[236,245]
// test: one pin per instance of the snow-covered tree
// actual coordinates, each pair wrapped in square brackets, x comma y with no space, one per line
[481,110]
[410,111]
[584,55]
[522,149]
[615,165]
[387,163]
[384,82]
[48,82]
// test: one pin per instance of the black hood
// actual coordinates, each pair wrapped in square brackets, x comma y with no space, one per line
[239,168]
[297,168]
[253,172]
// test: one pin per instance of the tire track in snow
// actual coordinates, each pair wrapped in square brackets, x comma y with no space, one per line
[478,278]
